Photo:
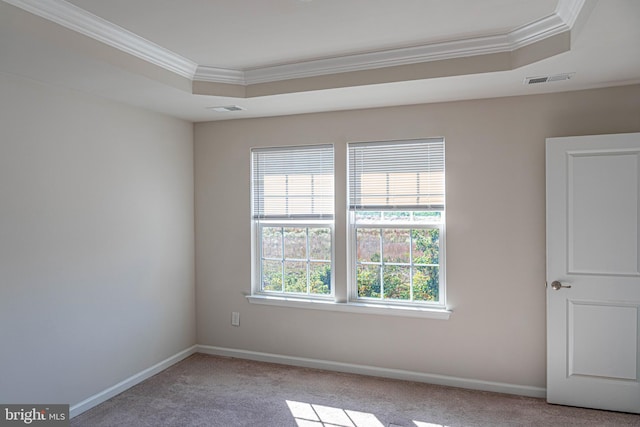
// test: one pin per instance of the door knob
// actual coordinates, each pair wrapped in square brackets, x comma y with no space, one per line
[557,285]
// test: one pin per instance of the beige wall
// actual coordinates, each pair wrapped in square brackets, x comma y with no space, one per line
[96,242]
[495,233]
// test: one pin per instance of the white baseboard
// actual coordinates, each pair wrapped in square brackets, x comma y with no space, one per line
[375,371]
[521,390]
[107,394]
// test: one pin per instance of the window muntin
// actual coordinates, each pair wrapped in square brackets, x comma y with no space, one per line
[292,210]
[296,259]
[398,261]
[396,220]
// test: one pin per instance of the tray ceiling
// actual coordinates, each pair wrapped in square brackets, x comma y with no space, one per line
[327,51]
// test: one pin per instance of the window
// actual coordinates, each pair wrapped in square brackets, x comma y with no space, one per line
[292,210]
[396,222]
[393,235]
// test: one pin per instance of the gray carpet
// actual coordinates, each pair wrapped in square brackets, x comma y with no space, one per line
[207,390]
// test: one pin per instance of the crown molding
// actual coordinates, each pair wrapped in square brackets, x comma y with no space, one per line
[380,59]
[536,31]
[79,20]
[568,10]
[558,22]
[220,75]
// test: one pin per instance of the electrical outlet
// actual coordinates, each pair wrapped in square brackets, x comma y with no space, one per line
[235,318]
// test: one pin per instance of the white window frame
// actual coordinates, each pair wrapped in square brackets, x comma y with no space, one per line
[353,261]
[257,224]
[343,272]
[353,226]
[257,264]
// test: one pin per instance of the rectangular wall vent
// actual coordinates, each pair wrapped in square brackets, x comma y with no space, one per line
[548,79]
[226,108]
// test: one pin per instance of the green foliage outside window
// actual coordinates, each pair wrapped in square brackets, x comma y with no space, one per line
[286,249]
[411,256]
[396,279]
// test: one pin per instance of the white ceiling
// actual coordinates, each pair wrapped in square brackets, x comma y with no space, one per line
[55,41]
[253,33]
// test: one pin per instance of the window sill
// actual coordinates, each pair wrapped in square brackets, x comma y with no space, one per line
[352,307]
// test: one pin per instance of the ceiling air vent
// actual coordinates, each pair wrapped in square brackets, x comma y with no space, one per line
[548,79]
[226,108]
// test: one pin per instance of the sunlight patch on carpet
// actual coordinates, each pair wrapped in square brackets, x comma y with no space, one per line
[422,424]
[311,415]
[307,414]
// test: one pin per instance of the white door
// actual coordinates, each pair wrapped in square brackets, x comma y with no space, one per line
[593,319]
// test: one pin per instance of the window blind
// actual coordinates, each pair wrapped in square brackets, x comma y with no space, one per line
[293,182]
[407,175]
